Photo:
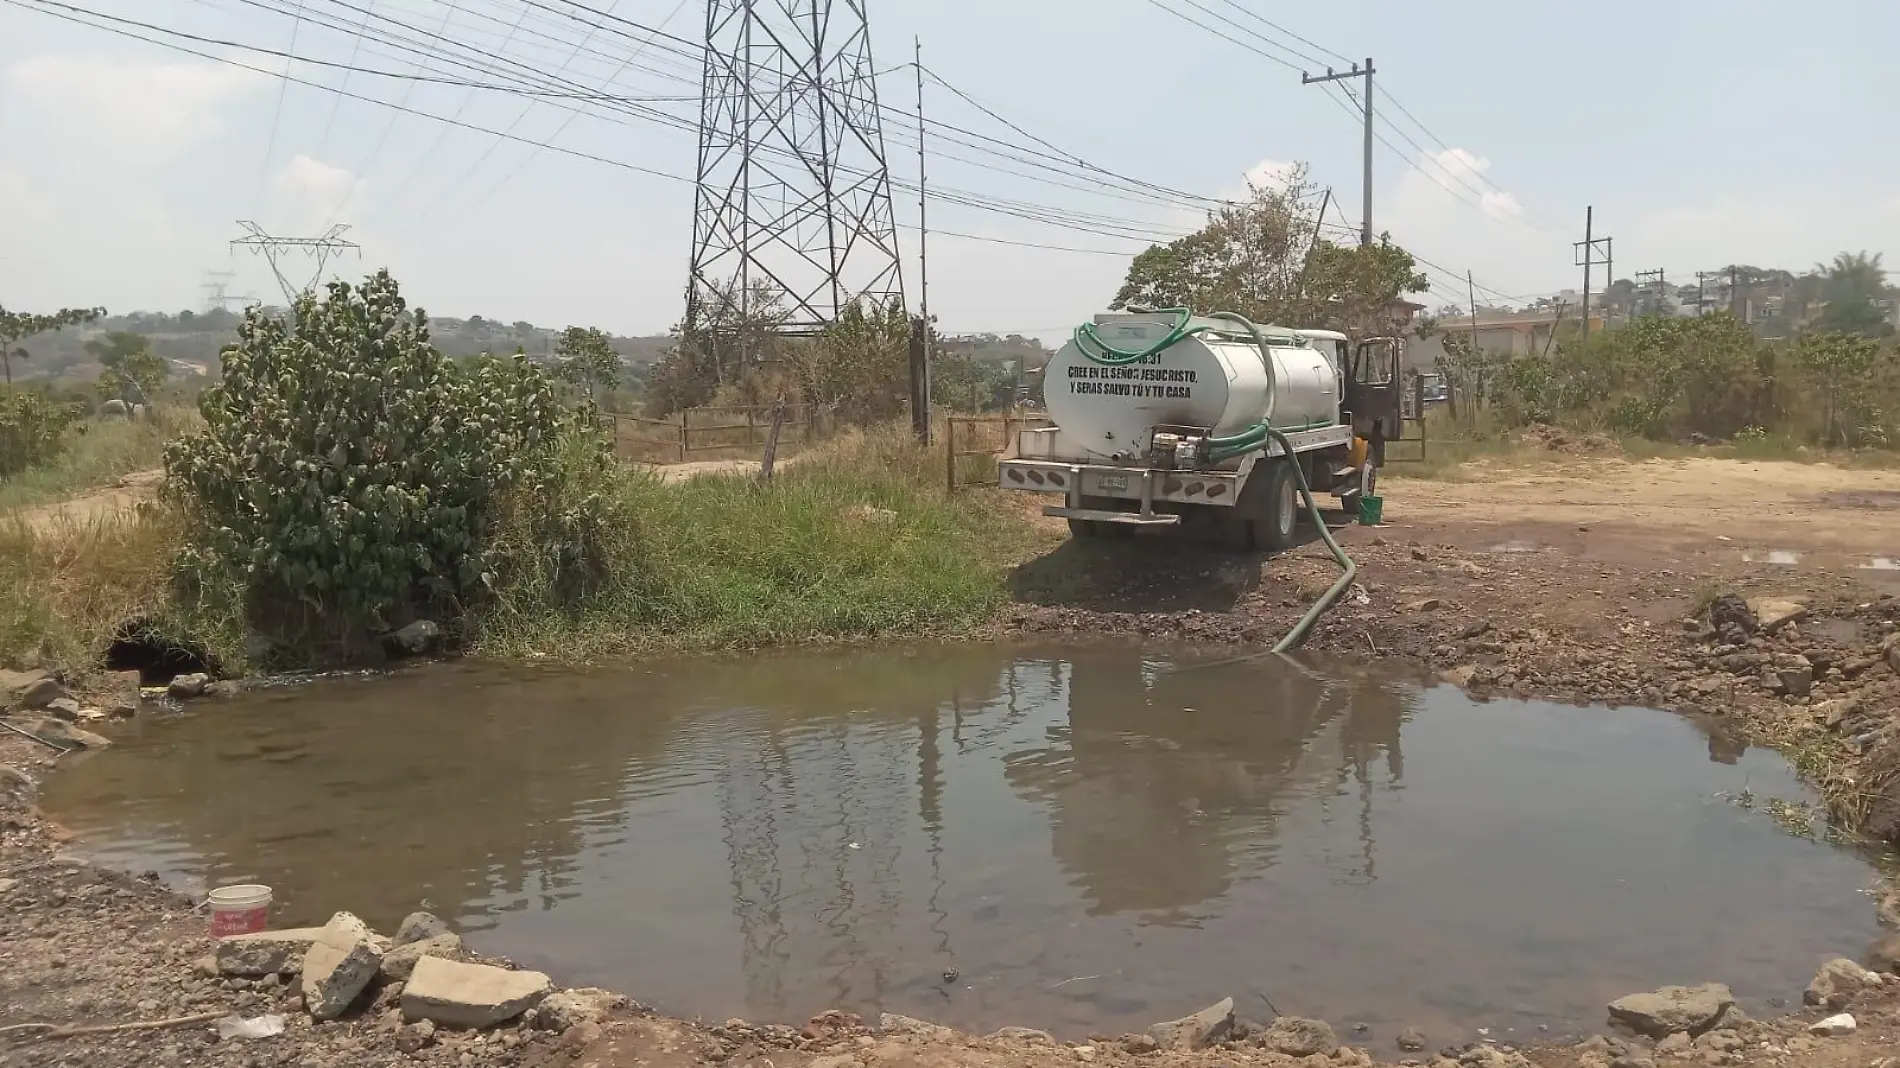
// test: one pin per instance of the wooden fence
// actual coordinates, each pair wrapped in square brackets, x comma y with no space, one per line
[973,443]
[700,433]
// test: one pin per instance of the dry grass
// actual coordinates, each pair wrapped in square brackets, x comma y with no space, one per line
[66,586]
[109,449]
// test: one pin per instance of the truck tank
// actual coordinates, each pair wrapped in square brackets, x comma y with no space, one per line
[1213,381]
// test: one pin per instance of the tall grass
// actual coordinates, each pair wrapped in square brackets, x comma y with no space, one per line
[66,585]
[106,451]
[858,540]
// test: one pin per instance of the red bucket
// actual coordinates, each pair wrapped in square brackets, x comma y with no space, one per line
[237,910]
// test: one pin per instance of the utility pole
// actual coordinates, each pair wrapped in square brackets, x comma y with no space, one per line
[1588,251]
[1366,72]
[920,330]
[1655,288]
[1471,291]
[923,225]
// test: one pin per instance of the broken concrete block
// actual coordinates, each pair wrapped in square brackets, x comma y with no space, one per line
[1198,1031]
[338,966]
[470,995]
[265,953]
[398,963]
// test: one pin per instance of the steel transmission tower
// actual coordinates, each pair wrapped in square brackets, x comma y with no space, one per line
[793,198]
[275,250]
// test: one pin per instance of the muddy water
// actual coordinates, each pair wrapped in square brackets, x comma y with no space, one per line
[1085,839]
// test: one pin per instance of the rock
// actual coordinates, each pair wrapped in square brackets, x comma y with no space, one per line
[1198,1031]
[62,733]
[1140,1044]
[1730,611]
[64,708]
[41,692]
[1676,1045]
[1429,604]
[419,925]
[399,962]
[1884,955]
[1834,1026]
[1632,1060]
[576,1008]
[470,995]
[1794,675]
[413,1037]
[895,1024]
[1837,983]
[1831,713]
[1296,1036]
[13,683]
[1727,1040]
[184,687]
[1663,1012]
[420,638]
[1411,1040]
[338,966]
[1887,911]
[1771,613]
[1027,1035]
[264,953]
[1459,676]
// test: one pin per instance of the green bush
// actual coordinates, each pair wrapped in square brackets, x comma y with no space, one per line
[351,473]
[33,429]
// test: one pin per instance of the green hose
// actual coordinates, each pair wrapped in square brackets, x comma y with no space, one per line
[1348,569]
[1248,440]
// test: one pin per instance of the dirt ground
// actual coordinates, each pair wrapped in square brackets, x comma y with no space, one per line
[1575,578]
[123,495]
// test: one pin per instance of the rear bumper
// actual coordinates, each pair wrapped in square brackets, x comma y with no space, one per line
[1145,485]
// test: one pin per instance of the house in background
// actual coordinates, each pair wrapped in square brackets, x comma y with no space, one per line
[1504,333]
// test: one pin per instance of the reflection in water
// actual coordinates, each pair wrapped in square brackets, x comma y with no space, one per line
[1092,838]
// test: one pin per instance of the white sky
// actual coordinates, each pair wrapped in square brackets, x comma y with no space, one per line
[1703,135]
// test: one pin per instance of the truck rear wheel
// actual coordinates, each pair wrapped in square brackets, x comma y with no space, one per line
[1282,507]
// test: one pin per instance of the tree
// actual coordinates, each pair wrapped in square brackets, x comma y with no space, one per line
[1837,364]
[856,369]
[1261,258]
[132,369]
[733,338]
[587,361]
[350,468]
[16,327]
[1850,286]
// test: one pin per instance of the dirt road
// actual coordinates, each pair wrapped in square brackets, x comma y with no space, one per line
[122,496]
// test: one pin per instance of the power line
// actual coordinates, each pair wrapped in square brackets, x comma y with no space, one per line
[1086,222]
[277,116]
[571,115]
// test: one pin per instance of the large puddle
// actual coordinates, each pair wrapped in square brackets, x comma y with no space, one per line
[1084,840]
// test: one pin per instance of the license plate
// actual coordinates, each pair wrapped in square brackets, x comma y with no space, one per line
[1113,483]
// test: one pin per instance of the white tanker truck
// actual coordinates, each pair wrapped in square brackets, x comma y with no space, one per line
[1169,419]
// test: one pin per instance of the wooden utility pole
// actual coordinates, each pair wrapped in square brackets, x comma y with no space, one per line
[1365,225]
[1589,218]
[1471,290]
[920,327]
[1588,252]
[923,227]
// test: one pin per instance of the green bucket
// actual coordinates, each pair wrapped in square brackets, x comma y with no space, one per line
[1370,509]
